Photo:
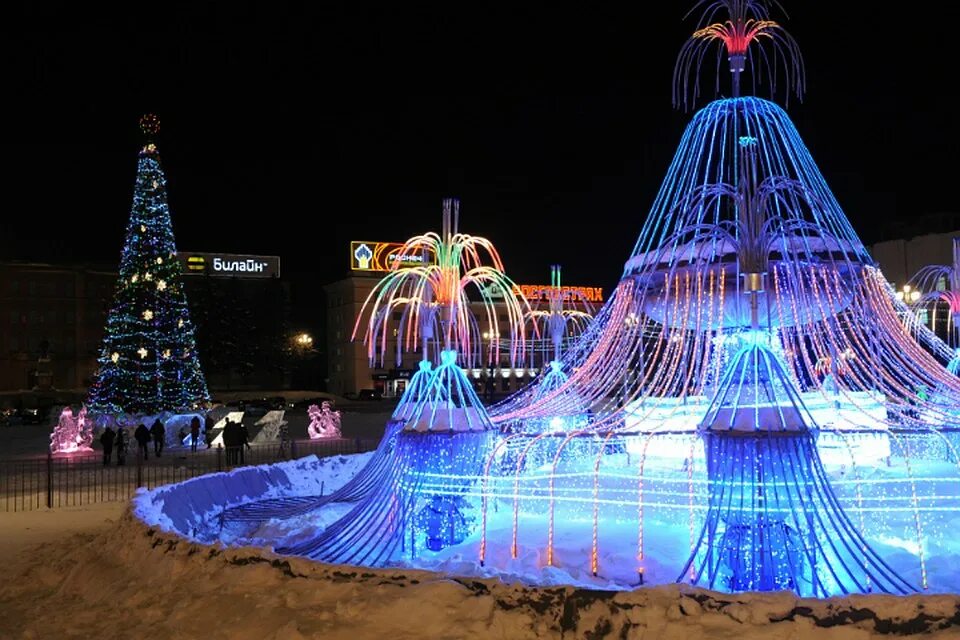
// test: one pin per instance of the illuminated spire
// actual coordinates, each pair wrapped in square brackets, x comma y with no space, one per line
[748,23]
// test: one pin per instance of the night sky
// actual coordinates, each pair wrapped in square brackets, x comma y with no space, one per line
[290,131]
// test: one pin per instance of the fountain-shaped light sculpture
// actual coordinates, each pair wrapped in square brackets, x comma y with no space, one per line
[746,286]
[717,448]
[937,285]
[748,23]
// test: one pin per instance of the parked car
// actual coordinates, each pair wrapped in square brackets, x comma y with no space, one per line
[236,405]
[306,402]
[32,415]
[370,394]
[257,407]
[277,402]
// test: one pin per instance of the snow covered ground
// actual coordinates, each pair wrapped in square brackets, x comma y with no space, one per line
[122,579]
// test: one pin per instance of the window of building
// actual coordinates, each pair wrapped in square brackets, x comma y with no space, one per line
[14,286]
[14,343]
[14,317]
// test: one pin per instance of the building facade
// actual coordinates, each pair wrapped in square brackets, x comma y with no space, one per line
[53,318]
[349,369]
[900,259]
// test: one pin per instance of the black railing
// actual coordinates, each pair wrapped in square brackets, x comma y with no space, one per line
[83,478]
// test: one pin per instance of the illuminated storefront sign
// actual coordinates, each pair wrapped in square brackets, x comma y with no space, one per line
[229,265]
[534,292]
[382,256]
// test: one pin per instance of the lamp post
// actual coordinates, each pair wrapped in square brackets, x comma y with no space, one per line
[304,341]
[908,294]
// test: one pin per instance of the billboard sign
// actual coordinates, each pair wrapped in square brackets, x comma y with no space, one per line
[229,265]
[382,256]
[534,292]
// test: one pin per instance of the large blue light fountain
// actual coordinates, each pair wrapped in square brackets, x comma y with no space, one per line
[758,419]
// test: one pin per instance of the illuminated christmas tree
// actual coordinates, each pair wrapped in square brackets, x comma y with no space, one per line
[149,361]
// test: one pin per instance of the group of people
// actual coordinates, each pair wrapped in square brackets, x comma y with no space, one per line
[111,440]
[157,432]
[118,440]
[236,440]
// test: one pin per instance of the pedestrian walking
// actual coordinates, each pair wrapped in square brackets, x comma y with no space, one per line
[230,438]
[194,432]
[106,441]
[120,444]
[243,440]
[142,435]
[159,434]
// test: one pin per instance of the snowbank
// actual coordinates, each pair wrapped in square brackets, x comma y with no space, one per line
[90,585]
[185,507]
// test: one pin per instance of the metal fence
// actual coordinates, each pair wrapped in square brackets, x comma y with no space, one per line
[84,478]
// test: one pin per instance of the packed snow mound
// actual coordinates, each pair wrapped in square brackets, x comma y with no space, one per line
[189,590]
[184,507]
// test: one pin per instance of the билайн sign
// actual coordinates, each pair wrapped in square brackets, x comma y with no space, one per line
[229,265]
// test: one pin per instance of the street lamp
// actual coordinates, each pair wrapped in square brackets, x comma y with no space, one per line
[304,340]
[908,294]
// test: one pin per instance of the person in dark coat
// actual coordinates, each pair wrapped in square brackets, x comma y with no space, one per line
[142,435]
[194,433]
[231,441]
[106,440]
[159,434]
[208,425]
[243,439]
[121,446]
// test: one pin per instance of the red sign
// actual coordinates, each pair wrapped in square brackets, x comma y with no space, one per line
[544,291]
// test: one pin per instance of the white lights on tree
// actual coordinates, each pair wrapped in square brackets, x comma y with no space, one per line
[143,352]
[148,315]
